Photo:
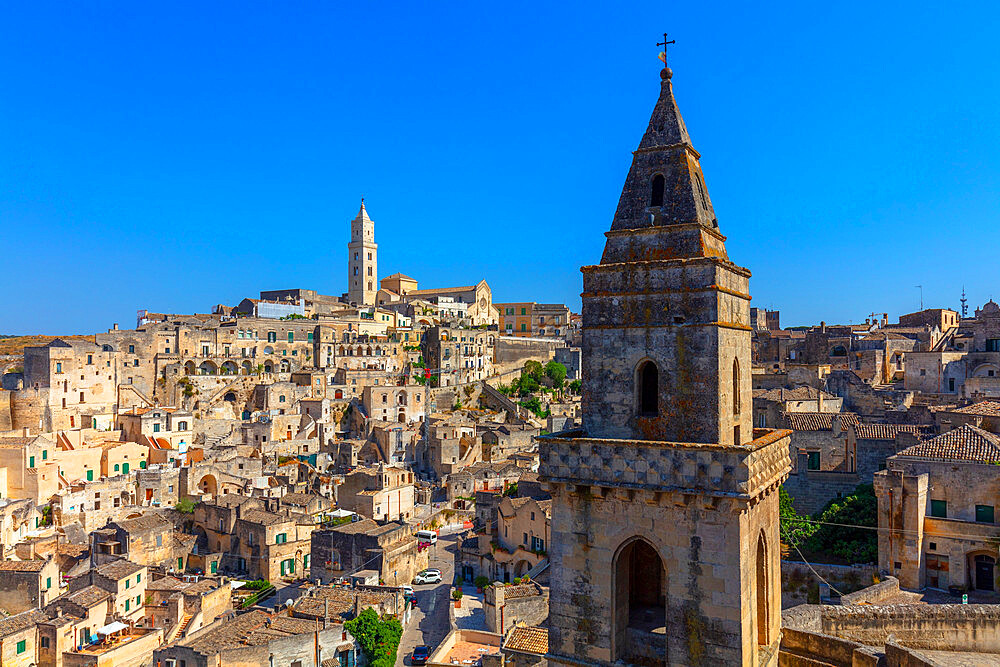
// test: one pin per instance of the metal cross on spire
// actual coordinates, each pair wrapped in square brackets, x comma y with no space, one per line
[664,43]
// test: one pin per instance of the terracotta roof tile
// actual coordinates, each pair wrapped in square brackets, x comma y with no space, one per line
[982,408]
[529,640]
[819,421]
[967,443]
[889,431]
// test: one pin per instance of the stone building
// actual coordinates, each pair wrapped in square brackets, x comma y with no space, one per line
[769,404]
[936,512]
[384,493]
[390,549]
[665,544]
[530,319]
[362,264]
[462,355]
[27,584]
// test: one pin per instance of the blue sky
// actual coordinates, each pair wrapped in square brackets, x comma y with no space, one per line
[172,156]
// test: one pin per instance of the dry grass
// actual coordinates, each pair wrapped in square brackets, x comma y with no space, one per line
[16,344]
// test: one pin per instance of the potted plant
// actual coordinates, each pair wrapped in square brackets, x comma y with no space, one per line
[456,595]
[481,583]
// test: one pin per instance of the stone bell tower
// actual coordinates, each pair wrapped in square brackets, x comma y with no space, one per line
[362,264]
[665,544]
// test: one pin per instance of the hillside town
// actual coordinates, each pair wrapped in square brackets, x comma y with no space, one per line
[406,473]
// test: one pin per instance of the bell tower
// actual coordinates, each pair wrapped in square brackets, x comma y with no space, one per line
[362,264]
[665,543]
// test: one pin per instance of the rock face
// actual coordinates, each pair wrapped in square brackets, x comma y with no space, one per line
[665,545]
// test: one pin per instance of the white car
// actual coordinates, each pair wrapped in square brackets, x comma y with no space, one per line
[428,577]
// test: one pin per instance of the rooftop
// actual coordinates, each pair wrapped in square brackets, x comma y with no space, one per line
[819,421]
[889,431]
[119,569]
[528,640]
[967,443]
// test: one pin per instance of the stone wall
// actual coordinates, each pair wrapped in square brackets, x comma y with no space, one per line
[948,627]
[511,352]
[874,594]
[6,415]
[506,606]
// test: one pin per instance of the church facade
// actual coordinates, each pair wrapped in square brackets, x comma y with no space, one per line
[665,534]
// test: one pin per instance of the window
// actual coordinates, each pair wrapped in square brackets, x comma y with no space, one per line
[281,399]
[128,604]
[993,344]
[31,461]
[291,336]
[131,349]
[58,367]
[736,387]
[525,539]
[939,508]
[813,463]
[128,582]
[984,513]
[90,359]
[44,642]
[648,394]
[951,384]
[281,538]
[156,428]
[656,191]
[22,646]
[90,475]
[48,583]
[923,372]
[45,454]
[138,577]
[309,336]
[272,337]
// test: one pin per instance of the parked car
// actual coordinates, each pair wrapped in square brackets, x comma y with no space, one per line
[428,577]
[407,589]
[420,655]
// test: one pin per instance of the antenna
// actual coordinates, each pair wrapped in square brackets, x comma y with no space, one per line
[921,288]
[965,304]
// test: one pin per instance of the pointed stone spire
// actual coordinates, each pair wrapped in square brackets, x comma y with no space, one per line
[664,190]
[666,126]
[362,212]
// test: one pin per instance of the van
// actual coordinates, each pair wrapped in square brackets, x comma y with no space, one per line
[427,536]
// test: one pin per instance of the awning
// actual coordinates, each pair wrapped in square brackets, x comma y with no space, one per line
[112,627]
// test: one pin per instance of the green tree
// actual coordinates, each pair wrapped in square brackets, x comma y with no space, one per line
[555,372]
[575,386]
[795,529]
[185,506]
[534,370]
[854,545]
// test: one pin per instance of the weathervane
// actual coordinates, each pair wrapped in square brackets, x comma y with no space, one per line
[664,43]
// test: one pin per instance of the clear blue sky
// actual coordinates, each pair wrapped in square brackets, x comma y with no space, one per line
[172,156]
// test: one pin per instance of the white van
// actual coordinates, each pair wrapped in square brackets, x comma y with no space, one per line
[427,536]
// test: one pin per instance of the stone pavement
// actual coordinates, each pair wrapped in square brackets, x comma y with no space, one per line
[470,615]
[429,622]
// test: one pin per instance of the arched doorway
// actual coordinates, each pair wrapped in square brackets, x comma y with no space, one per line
[207,368]
[982,572]
[230,368]
[522,568]
[189,368]
[640,599]
[230,397]
[247,368]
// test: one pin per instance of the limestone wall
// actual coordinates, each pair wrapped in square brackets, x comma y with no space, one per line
[936,627]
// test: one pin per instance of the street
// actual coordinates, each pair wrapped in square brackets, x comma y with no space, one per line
[429,621]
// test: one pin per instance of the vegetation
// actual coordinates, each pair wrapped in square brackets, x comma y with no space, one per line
[576,386]
[185,506]
[456,594]
[378,637]
[481,581]
[816,538]
[556,373]
[535,406]
[294,316]
[511,490]
[457,406]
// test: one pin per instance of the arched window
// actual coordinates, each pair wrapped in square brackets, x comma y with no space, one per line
[648,378]
[656,193]
[762,608]
[736,387]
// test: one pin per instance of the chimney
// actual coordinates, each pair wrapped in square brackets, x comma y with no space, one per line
[822,327]
[885,319]
[819,400]
[114,326]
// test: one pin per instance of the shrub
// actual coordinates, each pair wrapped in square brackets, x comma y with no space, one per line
[456,594]
[185,506]
[481,581]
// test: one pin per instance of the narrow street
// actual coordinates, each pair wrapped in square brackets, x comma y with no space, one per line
[429,622]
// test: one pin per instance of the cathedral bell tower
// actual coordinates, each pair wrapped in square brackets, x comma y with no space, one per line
[362,264]
[665,544]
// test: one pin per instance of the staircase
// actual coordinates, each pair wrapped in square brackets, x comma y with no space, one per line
[179,629]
